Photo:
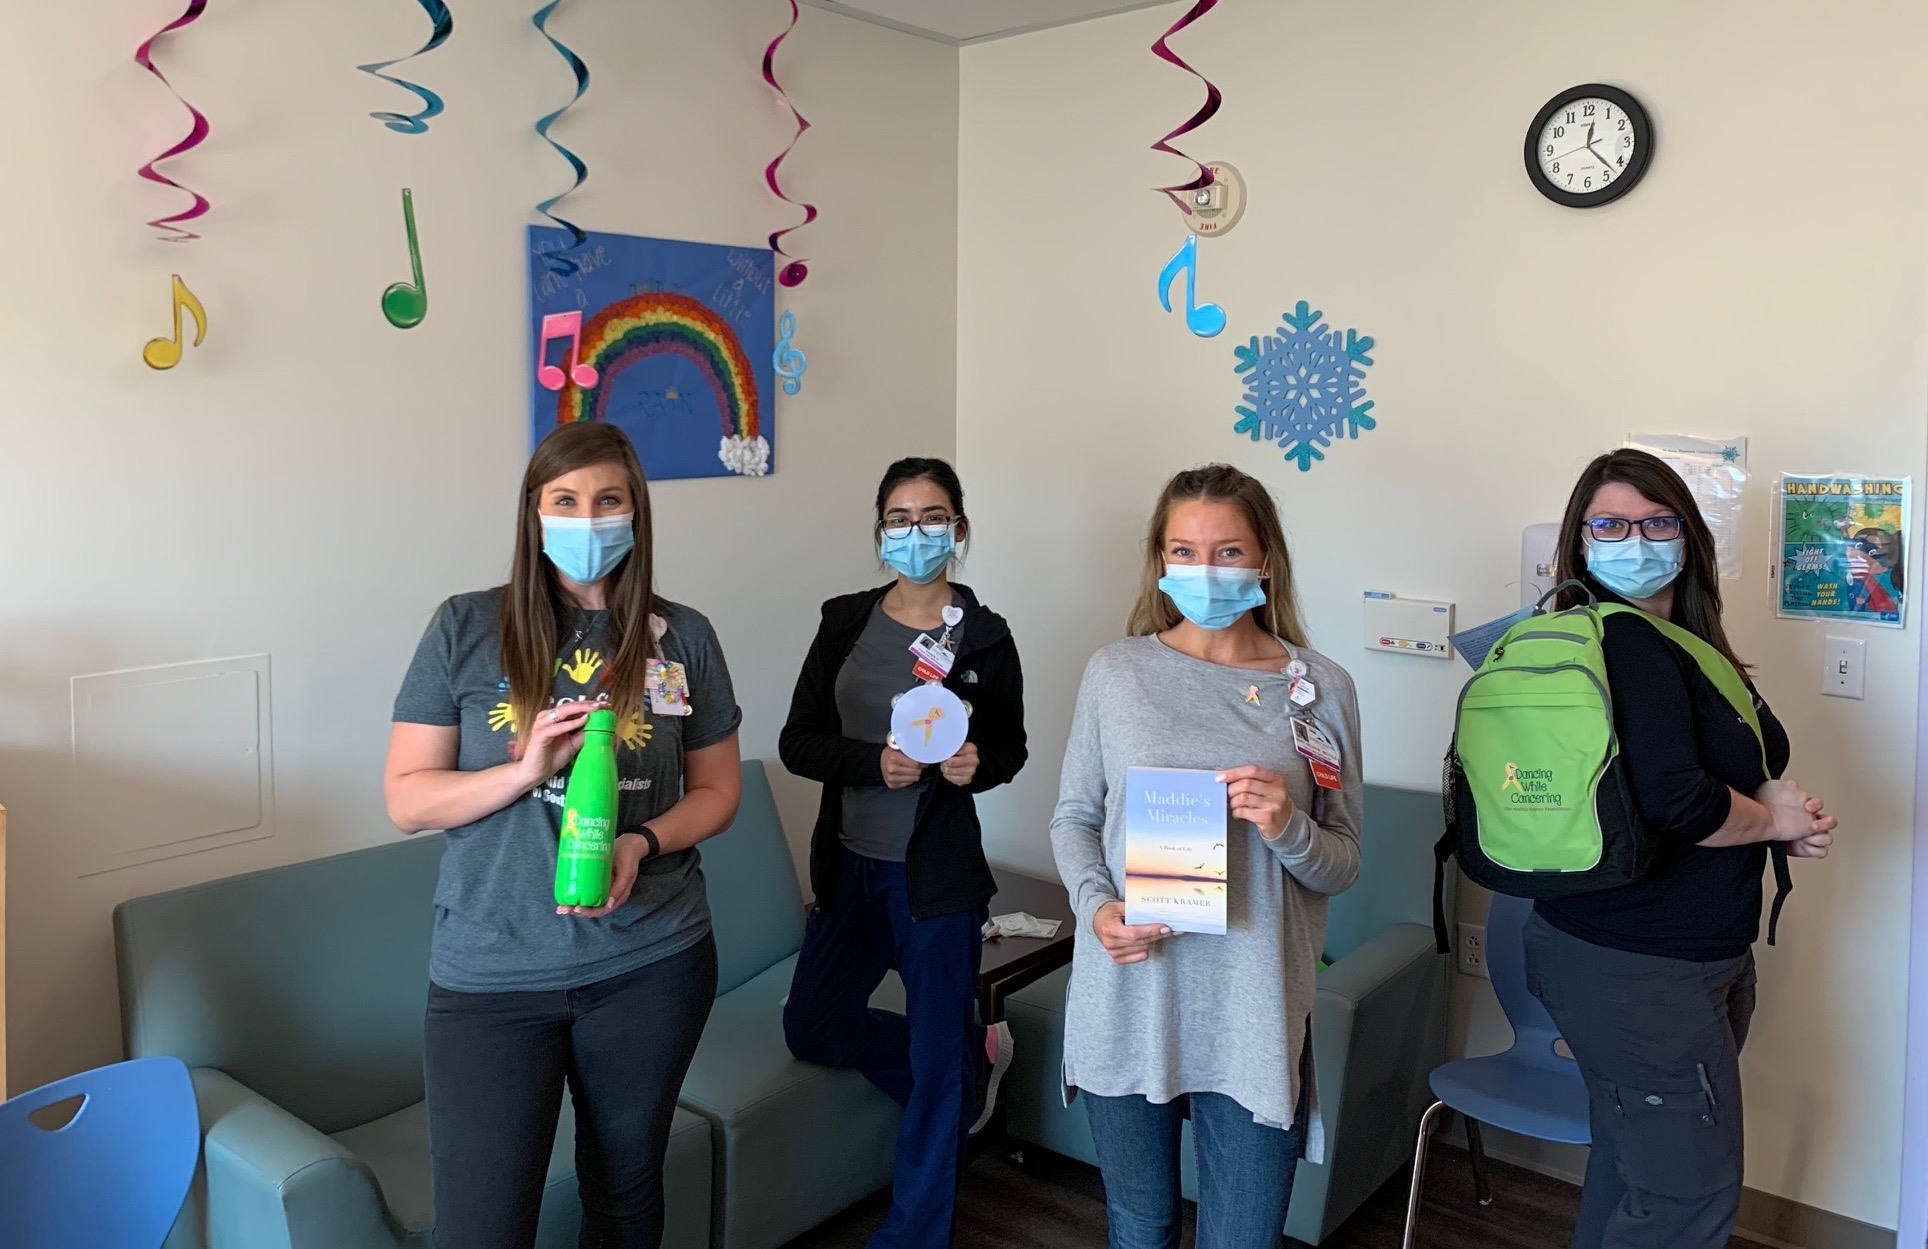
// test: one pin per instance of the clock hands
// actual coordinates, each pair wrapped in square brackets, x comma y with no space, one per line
[1603,160]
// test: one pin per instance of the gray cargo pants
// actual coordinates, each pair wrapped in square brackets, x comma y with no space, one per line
[1658,1041]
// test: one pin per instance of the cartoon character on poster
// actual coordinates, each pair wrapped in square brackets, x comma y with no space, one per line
[670,342]
[1841,548]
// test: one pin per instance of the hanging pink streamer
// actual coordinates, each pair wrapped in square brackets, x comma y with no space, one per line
[1203,115]
[796,271]
[143,56]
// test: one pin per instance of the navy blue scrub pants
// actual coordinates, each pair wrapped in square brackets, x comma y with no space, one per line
[927,1059]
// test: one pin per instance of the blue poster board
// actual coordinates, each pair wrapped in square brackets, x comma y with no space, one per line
[670,342]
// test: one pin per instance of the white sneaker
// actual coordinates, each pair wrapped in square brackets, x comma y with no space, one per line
[999,1065]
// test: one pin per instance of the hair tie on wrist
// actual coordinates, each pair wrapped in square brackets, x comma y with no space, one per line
[655,846]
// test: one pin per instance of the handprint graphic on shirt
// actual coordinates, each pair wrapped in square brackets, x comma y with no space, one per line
[635,730]
[502,716]
[584,667]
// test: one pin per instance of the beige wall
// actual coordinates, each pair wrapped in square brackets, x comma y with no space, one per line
[1766,279]
[311,482]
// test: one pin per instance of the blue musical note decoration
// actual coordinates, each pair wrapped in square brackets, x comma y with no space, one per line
[1204,320]
[787,360]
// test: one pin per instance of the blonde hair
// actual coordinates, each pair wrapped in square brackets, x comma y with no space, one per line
[1220,483]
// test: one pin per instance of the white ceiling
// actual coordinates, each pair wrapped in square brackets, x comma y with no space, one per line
[973,21]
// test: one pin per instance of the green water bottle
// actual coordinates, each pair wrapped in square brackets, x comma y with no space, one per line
[588,840]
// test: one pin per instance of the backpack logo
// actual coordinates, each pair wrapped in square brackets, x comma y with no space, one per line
[1512,780]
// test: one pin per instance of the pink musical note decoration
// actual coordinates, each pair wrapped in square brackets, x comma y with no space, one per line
[563,325]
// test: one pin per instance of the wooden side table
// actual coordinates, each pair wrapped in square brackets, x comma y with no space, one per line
[1010,963]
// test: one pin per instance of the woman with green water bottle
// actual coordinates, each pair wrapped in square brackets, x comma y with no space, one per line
[527,993]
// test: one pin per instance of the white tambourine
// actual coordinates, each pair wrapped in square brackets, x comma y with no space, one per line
[929,724]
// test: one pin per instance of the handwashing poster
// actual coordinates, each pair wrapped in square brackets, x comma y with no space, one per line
[1841,548]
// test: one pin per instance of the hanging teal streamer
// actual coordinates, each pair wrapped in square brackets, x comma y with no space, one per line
[416,123]
[561,262]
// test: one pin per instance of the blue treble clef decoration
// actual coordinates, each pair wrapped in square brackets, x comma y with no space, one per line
[788,361]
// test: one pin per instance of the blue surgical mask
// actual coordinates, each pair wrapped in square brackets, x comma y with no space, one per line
[586,550]
[916,554]
[1211,596]
[1637,567]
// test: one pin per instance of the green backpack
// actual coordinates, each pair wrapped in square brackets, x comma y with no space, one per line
[1537,799]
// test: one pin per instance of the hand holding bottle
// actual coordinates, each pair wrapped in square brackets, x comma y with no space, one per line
[623,866]
[554,740]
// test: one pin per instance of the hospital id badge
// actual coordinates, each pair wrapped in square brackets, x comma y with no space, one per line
[1318,750]
[933,660]
[668,687]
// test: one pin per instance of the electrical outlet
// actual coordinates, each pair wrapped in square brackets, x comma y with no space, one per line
[1472,951]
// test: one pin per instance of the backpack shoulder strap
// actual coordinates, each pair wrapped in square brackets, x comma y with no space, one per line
[1715,666]
[1727,679]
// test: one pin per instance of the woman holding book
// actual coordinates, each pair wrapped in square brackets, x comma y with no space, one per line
[897,859]
[1215,677]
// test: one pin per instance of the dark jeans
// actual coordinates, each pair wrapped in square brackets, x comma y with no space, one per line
[496,1064]
[927,1059]
[1245,1170]
[1659,1042]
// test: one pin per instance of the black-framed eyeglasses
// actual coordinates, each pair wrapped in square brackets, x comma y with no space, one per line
[1653,529]
[934,525]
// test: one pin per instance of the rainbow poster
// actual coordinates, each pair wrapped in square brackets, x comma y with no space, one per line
[671,342]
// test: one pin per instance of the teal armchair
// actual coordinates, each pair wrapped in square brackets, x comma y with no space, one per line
[794,1143]
[296,996]
[1378,1027]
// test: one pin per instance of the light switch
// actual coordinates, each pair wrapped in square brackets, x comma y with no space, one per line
[1844,668]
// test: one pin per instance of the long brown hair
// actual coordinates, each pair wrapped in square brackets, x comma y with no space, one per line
[534,605]
[1220,483]
[1697,603]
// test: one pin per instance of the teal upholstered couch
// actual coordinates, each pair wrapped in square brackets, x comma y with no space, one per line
[795,1144]
[1378,1026]
[296,996]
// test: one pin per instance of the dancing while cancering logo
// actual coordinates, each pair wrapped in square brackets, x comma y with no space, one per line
[1531,787]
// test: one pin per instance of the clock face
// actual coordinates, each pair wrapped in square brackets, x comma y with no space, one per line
[1588,145]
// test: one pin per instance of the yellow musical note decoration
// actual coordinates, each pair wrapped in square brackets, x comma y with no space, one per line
[165,353]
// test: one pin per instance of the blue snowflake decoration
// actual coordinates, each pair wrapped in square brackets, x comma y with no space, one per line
[1304,386]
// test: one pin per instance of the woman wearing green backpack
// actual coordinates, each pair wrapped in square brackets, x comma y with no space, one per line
[1652,983]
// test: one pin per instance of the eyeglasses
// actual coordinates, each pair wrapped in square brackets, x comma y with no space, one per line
[934,526]
[1653,529]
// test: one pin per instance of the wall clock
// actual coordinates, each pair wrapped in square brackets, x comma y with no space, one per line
[1588,145]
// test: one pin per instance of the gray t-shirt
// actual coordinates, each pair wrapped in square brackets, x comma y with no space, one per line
[496,927]
[877,820]
[1219,1014]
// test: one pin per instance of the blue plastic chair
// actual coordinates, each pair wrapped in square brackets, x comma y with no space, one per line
[1532,1088]
[115,1174]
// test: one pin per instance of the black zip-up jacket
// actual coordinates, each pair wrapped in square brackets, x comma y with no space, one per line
[944,863]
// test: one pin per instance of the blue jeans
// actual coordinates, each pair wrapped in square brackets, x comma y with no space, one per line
[1245,1171]
[927,1059]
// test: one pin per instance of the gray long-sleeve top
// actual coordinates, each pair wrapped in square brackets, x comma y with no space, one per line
[1205,1013]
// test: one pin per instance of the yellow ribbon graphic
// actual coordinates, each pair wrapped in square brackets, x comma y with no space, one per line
[1512,780]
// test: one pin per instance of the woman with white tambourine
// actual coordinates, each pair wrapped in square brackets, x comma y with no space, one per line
[897,859]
